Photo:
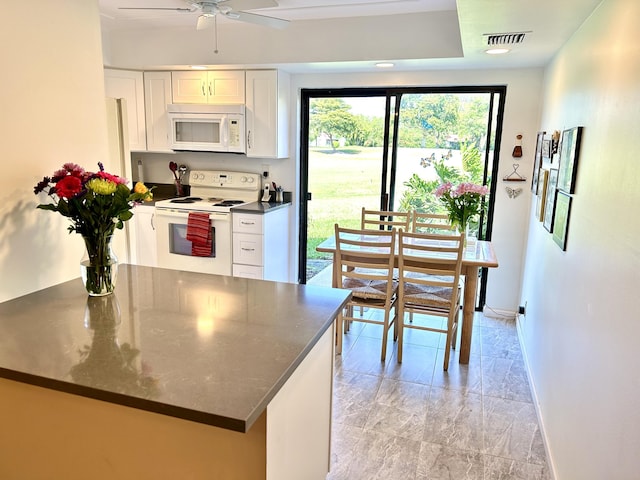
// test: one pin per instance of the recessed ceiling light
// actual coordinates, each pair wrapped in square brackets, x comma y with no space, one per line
[497,51]
[198,67]
[384,65]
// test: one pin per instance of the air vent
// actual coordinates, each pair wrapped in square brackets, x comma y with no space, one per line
[494,39]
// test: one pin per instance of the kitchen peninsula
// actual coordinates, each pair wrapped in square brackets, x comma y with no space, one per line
[176,375]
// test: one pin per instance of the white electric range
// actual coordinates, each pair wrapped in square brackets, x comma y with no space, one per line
[214,192]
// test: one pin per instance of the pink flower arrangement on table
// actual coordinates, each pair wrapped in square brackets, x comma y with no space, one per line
[463,202]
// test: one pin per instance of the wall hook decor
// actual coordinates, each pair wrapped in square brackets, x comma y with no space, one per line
[514,176]
[517,150]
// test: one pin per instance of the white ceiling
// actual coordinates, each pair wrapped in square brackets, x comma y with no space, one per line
[548,23]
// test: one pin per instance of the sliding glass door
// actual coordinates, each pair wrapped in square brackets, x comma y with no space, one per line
[389,149]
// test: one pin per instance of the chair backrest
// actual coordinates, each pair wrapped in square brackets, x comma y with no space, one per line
[430,260]
[363,256]
[384,219]
[431,223]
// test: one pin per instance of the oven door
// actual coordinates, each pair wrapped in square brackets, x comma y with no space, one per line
[174,250]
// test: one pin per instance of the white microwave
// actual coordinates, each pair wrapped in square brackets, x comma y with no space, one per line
[207,128]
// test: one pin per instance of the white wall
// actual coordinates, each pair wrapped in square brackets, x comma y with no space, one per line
[53,111]
[582,325]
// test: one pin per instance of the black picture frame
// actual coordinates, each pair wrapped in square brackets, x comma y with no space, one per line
[550,203]
[569,153]
[537,162]
[561,218]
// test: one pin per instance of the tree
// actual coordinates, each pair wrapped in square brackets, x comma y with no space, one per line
[434,116]
[331,116]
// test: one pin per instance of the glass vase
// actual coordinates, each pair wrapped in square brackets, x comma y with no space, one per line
[99,265]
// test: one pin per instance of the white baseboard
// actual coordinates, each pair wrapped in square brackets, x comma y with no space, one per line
[536,404]
[498,313]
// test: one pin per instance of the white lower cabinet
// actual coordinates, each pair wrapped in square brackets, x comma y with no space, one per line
[145,236]
[261,245]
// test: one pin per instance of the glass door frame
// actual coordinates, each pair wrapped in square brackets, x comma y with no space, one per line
[496,114]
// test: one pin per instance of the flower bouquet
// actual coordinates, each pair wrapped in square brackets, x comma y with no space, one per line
[462,202]
[96,204]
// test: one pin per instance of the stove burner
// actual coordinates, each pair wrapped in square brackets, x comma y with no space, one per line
[186,200]
[228,203]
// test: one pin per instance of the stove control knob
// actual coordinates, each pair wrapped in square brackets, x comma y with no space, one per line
[250,179]
[243,179]
[194,176]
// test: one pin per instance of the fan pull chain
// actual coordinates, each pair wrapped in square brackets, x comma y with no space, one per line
[215,27]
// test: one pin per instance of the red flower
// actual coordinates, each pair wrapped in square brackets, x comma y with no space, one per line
[68,187]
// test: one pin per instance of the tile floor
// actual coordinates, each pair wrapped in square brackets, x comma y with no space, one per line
[415,421]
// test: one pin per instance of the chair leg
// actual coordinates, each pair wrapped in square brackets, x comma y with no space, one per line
[385,335]
[400,323]
[456,324]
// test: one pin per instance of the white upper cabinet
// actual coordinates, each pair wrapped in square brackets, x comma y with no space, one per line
[267,113]
[220,86]
[128,84]
[157,94]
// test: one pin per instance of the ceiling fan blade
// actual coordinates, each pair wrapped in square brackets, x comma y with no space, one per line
[248,4]
[173,9]
[263,20]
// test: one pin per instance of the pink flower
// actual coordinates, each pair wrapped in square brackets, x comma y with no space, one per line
[114,178]
[442,189]
[471,188]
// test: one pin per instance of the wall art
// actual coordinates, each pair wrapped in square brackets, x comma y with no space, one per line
[561,219]
[550,203]
[569,153]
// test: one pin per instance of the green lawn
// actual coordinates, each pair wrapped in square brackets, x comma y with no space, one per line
[341,183]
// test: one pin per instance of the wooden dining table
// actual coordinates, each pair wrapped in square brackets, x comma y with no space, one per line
[474,259]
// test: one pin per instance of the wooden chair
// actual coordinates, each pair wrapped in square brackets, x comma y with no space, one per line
[429,272]
[431,223]
[384,220]
[364,262]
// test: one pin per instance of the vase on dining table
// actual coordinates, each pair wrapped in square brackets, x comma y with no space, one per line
[99,265]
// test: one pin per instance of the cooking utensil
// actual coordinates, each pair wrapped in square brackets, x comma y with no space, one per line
[182,169]
[173,166]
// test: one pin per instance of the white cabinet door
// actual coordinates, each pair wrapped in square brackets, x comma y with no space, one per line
[129,85]
[157,94]
[189,87]
[219,87]
[145,235]
[267,113]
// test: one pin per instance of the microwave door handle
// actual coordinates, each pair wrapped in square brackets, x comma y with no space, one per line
[225,131]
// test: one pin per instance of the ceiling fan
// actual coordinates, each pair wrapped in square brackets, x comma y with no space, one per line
[233,9]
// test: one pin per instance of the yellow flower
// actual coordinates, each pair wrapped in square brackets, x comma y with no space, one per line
[102,186]
[142,189]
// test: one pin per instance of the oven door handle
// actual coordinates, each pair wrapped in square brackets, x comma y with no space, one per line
[184,214]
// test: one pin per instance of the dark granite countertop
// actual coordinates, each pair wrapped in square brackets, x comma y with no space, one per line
[260,207]
[205,348]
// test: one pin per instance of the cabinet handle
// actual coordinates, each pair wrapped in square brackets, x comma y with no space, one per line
[249,249]
[153,216]
[249,139]
[242,222]
[203,92]
[210,92]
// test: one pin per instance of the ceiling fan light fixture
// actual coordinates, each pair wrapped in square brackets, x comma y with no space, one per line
[385,65]
[497,51]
